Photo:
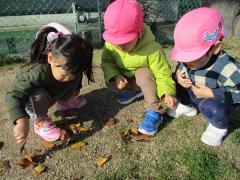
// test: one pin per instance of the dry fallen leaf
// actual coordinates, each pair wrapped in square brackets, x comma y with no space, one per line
[25,162]
[143,137]
[4,165]
[38,169]
[101,161]
[65,138]
[134,131]
[126,132]
[129,121]
[48,145]
[84,129]
[111,121]
[74,127]
[38,151]
[78,145]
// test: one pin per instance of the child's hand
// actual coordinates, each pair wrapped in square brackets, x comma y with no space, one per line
[121,82]
[21,129]
[182,80]
[202,91]
[170,100]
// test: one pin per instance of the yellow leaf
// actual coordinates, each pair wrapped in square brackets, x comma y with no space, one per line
[74,126]
[134,131]
[77,125]
[29,158]
[84,129]
[101,161]
[38,169]
[78,145]
[126,133]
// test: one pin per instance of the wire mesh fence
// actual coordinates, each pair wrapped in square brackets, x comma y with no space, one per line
[21,19]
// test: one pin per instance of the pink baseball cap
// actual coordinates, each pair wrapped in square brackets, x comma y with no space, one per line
[195,33]
[123,20]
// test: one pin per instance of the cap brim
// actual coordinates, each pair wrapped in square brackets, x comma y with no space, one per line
[186,56]
[119,40]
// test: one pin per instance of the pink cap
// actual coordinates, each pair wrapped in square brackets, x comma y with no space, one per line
[195,33]
[123,20]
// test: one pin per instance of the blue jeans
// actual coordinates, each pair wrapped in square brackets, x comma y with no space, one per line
[216,111]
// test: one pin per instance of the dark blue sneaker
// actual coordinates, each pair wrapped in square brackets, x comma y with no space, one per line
[150,123]
[127,97]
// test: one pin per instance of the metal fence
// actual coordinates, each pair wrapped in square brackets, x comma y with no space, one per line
[20,19]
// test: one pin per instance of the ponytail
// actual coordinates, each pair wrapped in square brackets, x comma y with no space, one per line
[38,47]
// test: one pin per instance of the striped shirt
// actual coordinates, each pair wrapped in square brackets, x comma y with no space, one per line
[222,76]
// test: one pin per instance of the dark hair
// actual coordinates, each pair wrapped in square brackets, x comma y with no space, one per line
[76,51]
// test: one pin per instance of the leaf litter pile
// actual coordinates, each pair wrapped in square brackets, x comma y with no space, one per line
[68,134]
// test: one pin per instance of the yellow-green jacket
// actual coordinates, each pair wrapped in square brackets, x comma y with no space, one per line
[147,53]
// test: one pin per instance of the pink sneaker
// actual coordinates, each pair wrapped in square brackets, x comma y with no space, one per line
[72,103]
[47,130]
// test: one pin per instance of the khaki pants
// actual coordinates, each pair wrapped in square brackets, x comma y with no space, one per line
[144,81]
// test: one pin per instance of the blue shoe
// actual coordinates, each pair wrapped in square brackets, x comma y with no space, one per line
[127,97]
[150,123]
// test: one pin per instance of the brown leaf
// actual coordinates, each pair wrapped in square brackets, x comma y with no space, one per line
[78,145]
[101,161]
[38,169]
[25,162]
[143,137]
[38,151]
[111,121]
[129,121]
[4,165]
[65,138]
[48,145]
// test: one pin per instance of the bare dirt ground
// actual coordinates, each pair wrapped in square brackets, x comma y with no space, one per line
[164,155]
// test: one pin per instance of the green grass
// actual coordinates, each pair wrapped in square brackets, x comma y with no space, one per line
[8,61]
[18,33]
[187,163]
[12,42]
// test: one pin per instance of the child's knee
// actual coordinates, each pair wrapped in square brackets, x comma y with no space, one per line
[40,95]
[144,75]
[216,111]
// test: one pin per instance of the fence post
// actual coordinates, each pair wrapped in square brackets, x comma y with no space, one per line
[75,18]
[87,35]
[12,49]
[100,20]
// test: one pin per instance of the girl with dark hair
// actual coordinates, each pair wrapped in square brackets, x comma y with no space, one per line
[58,60]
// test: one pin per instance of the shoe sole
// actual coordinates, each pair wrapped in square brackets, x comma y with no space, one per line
[130,100]
[147,133]
[190,114]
